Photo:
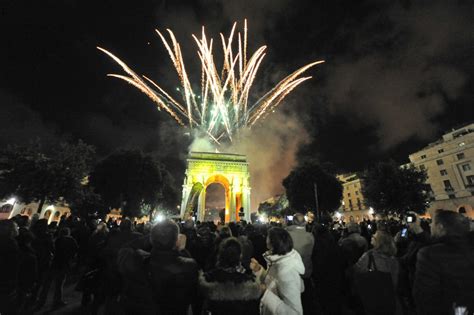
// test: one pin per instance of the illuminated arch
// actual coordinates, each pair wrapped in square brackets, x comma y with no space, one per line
[229,170]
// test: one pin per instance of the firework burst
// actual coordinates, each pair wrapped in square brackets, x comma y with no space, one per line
[221,108]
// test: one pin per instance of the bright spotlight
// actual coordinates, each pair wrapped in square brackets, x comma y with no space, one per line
[371,210]
[159,218]
[11,201]
[338,215]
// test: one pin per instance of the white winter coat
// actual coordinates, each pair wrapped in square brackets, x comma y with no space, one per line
[284,284]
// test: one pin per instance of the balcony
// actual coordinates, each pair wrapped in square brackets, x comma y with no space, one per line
[449,189]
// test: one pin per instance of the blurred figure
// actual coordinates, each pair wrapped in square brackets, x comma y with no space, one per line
[9,257]
[382,259]
[229,288]
[353,245]
[161,281]
[43,245]
[282,279]
[66,249]
[303,243]
[28,277]
[445,271]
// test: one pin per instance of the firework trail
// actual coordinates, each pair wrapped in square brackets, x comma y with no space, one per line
[221,107]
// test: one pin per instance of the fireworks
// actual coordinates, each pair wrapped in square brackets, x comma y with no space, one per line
[221,108]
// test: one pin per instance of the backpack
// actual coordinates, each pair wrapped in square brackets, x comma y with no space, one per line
[375,290]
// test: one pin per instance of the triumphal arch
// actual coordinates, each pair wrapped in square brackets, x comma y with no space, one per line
[229,170]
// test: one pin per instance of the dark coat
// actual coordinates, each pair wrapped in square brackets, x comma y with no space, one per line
[230,292]
[66,249]
[444,275]
[162,282]
[174,281]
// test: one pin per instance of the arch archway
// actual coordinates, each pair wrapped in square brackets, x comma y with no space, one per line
[229,170]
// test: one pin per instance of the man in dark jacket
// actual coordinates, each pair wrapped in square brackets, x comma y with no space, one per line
[9,256]
[445,271]
[65,251]
[162,276]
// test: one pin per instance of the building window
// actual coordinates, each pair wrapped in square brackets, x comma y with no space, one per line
[451,196]
[348,195]
[439,162]
[443,172]
[447,185]
[422,167]
[357,192]
[470,180]
[466,167]
[440,150]
[423,156]
[460,156]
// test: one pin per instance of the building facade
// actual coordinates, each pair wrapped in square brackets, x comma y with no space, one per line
[449,164]
[353,207]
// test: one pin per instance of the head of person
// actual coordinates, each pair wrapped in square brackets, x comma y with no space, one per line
[384,243]
[279,241]
[353,227]
[449,223]
[40,227]
[8,229]
[230,253]
[126,225]
[225,232]
[63,232]
[299,220]
[101,228]
[188,224]
[164,235]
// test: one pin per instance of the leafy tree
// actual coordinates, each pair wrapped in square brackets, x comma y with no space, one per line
[299,185]
[389,188]
[31,174]
[129,180]
[87,203]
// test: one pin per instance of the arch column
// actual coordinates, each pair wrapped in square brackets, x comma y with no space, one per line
[184,200]
[201,208]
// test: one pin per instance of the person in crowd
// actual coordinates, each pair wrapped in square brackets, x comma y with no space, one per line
[353,245]
[247,246]
[229,288]
[162,276]
[28,262]
[417,239]
[303,243]
[9,256]
[328,271]
[463,211]
[444,275]
[92,281]
[204,247]
[43,245]
[65,250]
[116,240]
[282,278]
[383,258]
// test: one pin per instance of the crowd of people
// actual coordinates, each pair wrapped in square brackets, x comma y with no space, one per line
[324,267]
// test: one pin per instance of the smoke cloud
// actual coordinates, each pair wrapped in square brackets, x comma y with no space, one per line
[399,76]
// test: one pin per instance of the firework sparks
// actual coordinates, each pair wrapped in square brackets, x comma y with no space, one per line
[221,107]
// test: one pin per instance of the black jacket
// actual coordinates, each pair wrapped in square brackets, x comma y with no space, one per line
[444,275]
[162,282]
[230,292]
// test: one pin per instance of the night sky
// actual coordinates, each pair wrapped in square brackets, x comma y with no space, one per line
[397,73]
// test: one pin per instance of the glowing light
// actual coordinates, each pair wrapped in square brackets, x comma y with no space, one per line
[371,210]
[159,218]
[263,218]
[11,201]
[306,218]
[338,215]
[222,107]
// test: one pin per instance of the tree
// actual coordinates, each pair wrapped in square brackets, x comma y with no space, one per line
[129,180]
[389,188]
[33,174]
[87,203]
[299,185]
